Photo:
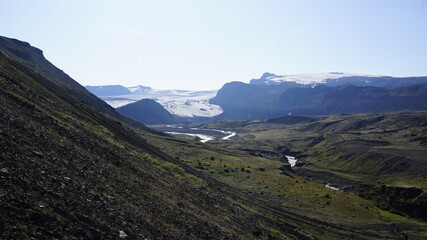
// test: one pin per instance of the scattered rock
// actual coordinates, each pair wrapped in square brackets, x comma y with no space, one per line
[122,234]
[38,153]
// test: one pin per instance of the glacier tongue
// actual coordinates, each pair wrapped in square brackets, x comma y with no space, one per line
[183,103]
[191,108]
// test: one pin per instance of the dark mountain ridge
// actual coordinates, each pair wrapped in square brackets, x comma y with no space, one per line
[257,101]
[147,111]
[33,59]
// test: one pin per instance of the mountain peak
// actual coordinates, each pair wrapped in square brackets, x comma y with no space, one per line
[139,89]
[19,48]
[267,75]
[264,79]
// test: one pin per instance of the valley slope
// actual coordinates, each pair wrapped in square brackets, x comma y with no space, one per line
[381,157]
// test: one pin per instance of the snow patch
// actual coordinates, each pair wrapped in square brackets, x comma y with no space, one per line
[328,185]
[312,78]
[118,103]
[291,160]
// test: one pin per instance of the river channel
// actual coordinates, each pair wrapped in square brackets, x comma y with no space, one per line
[203,135]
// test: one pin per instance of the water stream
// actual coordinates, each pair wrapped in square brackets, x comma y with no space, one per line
[291,160]
[328,185]
[204,135]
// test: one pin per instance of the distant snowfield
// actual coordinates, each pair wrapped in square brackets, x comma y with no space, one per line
[183,103]
[313,78]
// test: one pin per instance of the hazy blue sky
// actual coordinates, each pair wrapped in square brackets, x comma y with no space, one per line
[201,44]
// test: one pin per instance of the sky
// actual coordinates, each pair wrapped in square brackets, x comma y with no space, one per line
[203,44]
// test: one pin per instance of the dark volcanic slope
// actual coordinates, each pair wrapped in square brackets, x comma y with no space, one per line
[33,59]
[70,171]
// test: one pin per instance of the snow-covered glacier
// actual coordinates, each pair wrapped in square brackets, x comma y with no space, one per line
[308,78]
[183,103]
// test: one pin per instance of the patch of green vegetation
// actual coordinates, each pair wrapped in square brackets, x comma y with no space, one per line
[21,100]
[179,171]
[297,193]
[147,157]
[168,166]
[392,216]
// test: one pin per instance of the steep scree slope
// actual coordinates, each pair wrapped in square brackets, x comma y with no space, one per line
[70,171]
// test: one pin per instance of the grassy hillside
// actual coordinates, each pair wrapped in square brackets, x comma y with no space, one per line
[365,145]
[378,156]
[69,170]
[254,163]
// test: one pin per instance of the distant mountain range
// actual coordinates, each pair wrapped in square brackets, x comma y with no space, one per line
[273,96]
[244,101]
